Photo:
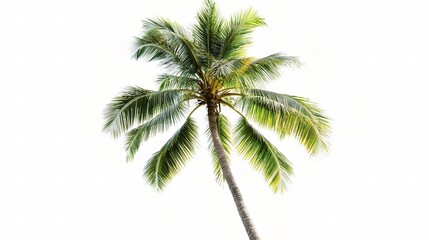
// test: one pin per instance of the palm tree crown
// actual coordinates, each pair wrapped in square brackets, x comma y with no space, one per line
[206,65]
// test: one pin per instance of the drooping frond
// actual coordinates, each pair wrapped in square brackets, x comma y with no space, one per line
[257,72]
[155,47]
[288,115]
[135,105]
[158,124]
[262,155]
[237,34]
[169,43]
[224,131]
[168,81]
[170,159]
[207,31]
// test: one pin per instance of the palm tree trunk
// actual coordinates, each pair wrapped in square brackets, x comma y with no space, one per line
[226,170]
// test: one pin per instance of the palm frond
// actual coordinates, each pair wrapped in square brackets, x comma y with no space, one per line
[207,31]
[154,46]
[224,131]
[170,159]
[288,115]
[262,155]
[158,124]
[169,43]
[168,81]
[237,34]
[135,105]
[260,71]
[225,68]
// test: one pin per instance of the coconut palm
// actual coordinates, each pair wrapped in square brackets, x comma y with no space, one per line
[207,66]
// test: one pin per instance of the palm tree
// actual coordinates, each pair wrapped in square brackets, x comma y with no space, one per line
[206,65]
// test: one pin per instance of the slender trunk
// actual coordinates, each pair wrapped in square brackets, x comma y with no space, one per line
[226,170]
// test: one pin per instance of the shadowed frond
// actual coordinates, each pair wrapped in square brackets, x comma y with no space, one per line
[237,34]
[262,155]
[288,115]
[224,130]
[207,31]
[167,81]
[154,46]
[169,43]
[135,105]
[170,159]
[158,124]
[256,72]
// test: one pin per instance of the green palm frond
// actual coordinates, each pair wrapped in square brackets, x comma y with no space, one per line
[154,46]
[224,130]
[135,105]
[288,115]
[256,72]
[179,39]
[237,34]
[170,159]
[170,43]
[168,81]
[158,124]
[262,155]
[207,31]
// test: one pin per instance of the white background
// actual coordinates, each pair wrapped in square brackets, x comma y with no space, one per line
[366,64]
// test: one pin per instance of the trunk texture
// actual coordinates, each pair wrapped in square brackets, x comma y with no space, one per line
[226,170]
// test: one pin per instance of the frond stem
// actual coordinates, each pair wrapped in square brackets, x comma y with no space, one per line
[227,89]
[232,107]
[230,94]
[199,105]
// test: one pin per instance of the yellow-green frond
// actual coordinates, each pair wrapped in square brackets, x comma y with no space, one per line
[258,72]
[237,33]
[288,116]
[262,155]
